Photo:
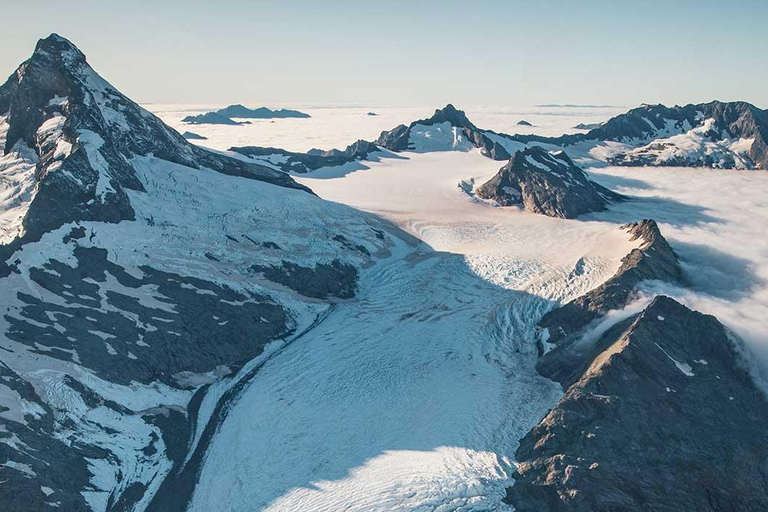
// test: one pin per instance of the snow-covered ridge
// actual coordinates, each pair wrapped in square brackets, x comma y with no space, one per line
[702,146]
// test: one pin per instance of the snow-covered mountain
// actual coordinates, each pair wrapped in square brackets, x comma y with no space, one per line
[447,129]
[724,135]
[547,183]
[68,137]
[143,278]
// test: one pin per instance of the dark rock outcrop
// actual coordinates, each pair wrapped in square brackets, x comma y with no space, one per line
[654,259]
[523,122]
[193,136]
[399,138]
[75,122]
[547,183]
[661,416]
[587,126]
[314,159]
[334,279]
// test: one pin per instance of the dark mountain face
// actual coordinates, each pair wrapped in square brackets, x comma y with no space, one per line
[399,138]
[660,416]
[546,183]
[84,133]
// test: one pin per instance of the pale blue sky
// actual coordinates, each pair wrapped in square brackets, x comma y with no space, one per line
[409,53]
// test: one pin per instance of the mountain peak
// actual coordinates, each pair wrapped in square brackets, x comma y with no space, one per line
[57,46]
[56,107]
[546,183]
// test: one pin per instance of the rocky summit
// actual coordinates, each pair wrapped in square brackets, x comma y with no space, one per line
[546,183]
[447,129]
[662,415]
[76,135]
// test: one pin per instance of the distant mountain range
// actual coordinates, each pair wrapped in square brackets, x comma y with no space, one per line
[225,115]
[731,135]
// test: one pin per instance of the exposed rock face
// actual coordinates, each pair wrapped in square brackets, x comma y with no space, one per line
[312,160]
[193,136]
[546,183]
[661,416]
[523,122]
[335,279]
[259,113]
[459,133]
[79,135]
[654,259]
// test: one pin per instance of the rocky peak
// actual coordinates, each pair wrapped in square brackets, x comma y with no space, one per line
[84,134]
[466,134]
[546,183]
[59,48]
[450,114]
[636,412]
